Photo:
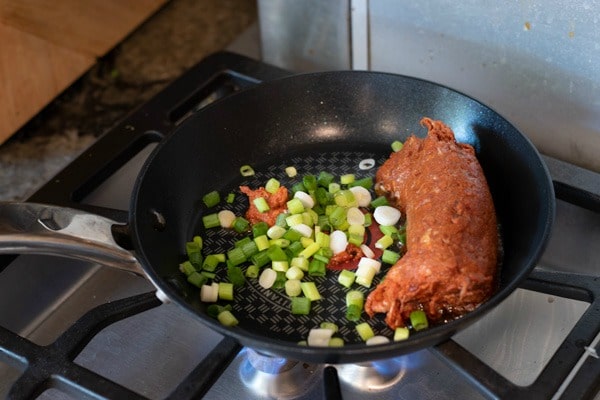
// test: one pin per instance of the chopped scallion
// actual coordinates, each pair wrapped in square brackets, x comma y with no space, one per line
[329,325]
[310,291]
[236,256]
[300,305]
[365,331]
[272,185]
[346,278]
[317,267]
[291,171]
[259,229]
[401,333]
[295,206]
[240,224]
[225,291]
[347,179]
[187,268]
[418,320]
[227,318]
[211,199]
[235,276]
[390,257]
[252,271]
[354,305]
[246,170]
[397,145]
[293,288]
[379,201]
[210,262]
[197,279]
[261,204]
[309,182]
[267,278]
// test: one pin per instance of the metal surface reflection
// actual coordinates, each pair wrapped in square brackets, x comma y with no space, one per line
[276,377]
[378,375]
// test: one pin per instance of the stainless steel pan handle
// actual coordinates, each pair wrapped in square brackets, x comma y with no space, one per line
[30,228]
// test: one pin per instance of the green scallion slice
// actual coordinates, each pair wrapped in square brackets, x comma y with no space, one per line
[379,201]
[211,199]
[261,258]
[272,185]
[293,287]
[187,268]
[261,204]
[336,342]
[364,331]
[418,320]
[310,291]
[259,229]
[235,276]
[300,305]
[390,257]
[397,145]
[236,256]
[240,224]
[346,278]
[252,271]
[246,170]
[210,262]
[197,279]
[309,182]
[324,179]
[226,291]
[227,318]
[401,333]
[316,267]
[347,179]
[211,221]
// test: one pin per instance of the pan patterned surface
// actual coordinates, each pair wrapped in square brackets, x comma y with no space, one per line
[268,310]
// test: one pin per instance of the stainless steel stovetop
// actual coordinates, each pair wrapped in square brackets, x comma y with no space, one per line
[542,342]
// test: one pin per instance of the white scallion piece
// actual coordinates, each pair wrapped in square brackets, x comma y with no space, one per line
[305,198]
[338,241]
[362,196]
[377,339]
[303,229]
[292,287]
[275,232]
[267,278]
[386,215]
[291,171]
[355,217]
[367,163]
[319,337]
[370,262]
[367,251]
[226,218]
[365,274]
[209,293]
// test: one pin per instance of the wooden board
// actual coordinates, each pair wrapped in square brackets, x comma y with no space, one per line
[46,45]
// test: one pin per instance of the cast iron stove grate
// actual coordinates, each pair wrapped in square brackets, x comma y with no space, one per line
[53,366]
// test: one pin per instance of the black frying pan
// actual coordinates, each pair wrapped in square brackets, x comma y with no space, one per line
[324,121]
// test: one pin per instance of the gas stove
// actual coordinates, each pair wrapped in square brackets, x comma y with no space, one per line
[70,329]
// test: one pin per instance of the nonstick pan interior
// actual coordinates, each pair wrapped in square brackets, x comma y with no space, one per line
[329,122]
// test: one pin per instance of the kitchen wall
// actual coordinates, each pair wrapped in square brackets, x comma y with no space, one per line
[535,62]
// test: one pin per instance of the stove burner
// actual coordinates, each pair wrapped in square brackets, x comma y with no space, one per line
[276,377]
[377,375]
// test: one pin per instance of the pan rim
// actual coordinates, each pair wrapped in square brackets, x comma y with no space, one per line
[352,352]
